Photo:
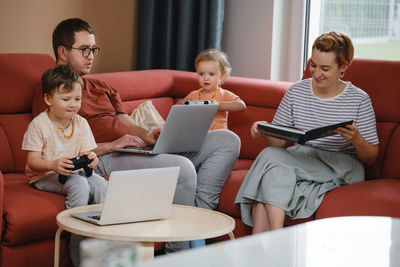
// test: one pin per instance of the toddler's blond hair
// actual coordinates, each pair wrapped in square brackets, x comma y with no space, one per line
[215,55]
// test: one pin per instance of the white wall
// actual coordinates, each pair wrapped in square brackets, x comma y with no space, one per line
[264,38]
[288,40]
[26,27]
[247,37]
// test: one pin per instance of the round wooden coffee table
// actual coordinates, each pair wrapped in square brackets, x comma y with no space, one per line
[185,223]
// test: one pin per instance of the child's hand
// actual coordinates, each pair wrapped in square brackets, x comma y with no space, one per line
[94,158]
[60,166]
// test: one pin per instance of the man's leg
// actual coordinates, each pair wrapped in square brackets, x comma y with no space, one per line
[186,186]
[214,162]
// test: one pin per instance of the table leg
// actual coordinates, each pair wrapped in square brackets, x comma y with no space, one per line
[147,251]
[57,247]
[231,236]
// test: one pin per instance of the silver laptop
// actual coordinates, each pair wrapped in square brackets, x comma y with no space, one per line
[135,196]
[184,130]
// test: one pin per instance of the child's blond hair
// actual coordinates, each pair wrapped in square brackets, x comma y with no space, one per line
[215,55]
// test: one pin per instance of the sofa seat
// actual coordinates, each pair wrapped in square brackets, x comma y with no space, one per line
[370,198]
[243,164]
[22,214]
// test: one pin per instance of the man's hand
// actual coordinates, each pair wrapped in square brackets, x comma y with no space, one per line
[152,137]
[128,140]
[60,166]
[123,141]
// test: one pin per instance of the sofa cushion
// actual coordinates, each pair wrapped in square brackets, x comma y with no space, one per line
[14,126]
[162,104]
[240,123]
[29,214]
[363,73]
[391,165]
[257,92]
[138,84]
[20,74]
[229,191]
[6,156]
[385,132]
[370,198]
[39,253]
[243,164]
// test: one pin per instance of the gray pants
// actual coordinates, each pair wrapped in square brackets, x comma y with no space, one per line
[79,190]
[212,163]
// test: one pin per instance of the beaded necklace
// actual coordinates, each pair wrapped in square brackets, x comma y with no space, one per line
[62,129]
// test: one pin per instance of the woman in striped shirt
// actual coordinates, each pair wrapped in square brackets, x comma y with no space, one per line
[292,182]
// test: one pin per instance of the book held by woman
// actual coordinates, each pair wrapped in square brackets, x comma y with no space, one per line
[297,135]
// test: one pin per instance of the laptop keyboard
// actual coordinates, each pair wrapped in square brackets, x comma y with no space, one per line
[145,148]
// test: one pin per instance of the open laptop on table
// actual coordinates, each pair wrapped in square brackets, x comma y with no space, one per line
[184,130]
[135,196]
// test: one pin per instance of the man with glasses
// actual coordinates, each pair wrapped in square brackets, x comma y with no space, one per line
[74,45]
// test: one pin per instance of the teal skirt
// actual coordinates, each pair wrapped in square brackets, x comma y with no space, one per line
[296,179]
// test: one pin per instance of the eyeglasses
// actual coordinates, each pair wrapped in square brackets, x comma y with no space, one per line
[87,50]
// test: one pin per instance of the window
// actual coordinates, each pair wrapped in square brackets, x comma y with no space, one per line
[373,25]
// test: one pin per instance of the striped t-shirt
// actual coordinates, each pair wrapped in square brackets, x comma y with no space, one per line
[43,136]
[300,108]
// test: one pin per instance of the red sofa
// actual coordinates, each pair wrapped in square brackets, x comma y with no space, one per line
[28,215]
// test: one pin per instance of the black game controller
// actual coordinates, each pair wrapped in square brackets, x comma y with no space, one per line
[78,162]
[197,102]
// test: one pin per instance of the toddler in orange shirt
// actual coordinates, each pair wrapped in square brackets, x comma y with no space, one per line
[212,68]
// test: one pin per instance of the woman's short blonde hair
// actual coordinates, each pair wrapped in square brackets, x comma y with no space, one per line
[215,55]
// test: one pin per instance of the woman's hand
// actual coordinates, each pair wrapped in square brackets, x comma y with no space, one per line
[255,133]
[366,152]
[350,133]
[61,166]
[268,140]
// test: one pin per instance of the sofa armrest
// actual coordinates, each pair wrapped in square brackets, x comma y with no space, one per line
[1,204]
